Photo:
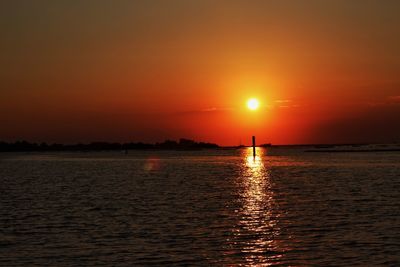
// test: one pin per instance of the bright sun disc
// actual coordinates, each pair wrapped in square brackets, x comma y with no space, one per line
[253,104]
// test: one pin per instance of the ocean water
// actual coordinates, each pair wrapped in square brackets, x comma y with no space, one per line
[286,207]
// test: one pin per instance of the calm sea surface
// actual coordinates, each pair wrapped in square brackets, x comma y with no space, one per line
[286,207]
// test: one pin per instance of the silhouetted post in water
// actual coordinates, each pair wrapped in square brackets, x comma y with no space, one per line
[254,146]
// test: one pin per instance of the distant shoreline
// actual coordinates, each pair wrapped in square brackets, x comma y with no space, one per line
[188,145]
[352,151]
[182,144]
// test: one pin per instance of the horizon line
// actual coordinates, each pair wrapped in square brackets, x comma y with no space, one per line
[195,141]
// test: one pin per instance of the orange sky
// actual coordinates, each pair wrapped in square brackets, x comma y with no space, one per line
[324,71]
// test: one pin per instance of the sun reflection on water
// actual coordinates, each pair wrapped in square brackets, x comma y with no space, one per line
[257,233]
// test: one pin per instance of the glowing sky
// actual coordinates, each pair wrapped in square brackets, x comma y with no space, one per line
[78,71]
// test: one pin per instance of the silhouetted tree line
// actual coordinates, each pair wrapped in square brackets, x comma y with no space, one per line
[182,144]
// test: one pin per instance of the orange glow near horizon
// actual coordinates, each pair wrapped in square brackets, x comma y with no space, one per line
[323,72]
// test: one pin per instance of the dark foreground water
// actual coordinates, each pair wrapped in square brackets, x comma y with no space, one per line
[286,208]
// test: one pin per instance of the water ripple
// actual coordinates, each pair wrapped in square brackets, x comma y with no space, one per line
[200,208]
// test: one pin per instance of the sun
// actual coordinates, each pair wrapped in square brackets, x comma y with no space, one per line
[253,103]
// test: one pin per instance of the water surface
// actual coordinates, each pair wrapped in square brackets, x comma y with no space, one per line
[217,207]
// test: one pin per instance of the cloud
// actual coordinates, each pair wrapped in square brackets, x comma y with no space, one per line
[205,110]
[391,100]
[283,101]
[286,103]
[377,124]
[288,106]
[394,99]
[213,109]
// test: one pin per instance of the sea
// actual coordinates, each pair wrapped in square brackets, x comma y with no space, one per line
[284,207]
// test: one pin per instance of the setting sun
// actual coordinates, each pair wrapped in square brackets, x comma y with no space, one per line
[253,104]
